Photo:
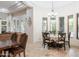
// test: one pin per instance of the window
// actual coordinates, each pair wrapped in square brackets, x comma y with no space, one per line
[61,19]
[53,25]
[71,23]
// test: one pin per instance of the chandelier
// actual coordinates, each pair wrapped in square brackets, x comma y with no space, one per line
[52,13]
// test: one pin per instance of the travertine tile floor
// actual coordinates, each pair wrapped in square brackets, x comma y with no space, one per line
[36,50]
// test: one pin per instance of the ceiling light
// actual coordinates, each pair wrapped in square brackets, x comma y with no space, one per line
[52,13]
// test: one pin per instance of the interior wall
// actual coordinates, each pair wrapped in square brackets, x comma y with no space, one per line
[38,13]
[29,28]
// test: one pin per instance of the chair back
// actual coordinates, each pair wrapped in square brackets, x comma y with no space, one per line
[61,36]
[45,36]
[14,37]
[23,40]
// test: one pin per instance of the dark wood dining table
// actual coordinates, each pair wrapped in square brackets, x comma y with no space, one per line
[7,44]
[54,39]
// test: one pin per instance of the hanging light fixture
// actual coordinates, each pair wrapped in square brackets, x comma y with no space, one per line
[52,13]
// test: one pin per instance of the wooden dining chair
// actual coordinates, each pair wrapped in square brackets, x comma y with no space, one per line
[13,39]
[46,40]
[21,47]
[61,40]
[1,55]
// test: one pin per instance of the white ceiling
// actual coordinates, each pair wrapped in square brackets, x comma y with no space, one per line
[41,4]
[11,6]
[48,4]
[6,4]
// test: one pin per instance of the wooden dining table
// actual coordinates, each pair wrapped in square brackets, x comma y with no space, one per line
[6,42]
[53,37]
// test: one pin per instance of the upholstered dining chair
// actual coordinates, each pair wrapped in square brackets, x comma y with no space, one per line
[61,40]
[21,47]
[46,40]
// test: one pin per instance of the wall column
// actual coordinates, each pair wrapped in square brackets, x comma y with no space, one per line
[66,24]
[75,25]
[48,23]
[57,24]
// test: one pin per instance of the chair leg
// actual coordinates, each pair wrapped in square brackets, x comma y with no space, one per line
[8,53]
[14,55]
[69,44]
[48,46]
[5,53]
[44,45]
[0,53]
[64,47]
[24,54]
[19,54]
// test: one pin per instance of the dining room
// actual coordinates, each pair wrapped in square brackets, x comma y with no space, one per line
[39,29]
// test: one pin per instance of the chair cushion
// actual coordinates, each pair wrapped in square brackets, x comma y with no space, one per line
[60,42]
